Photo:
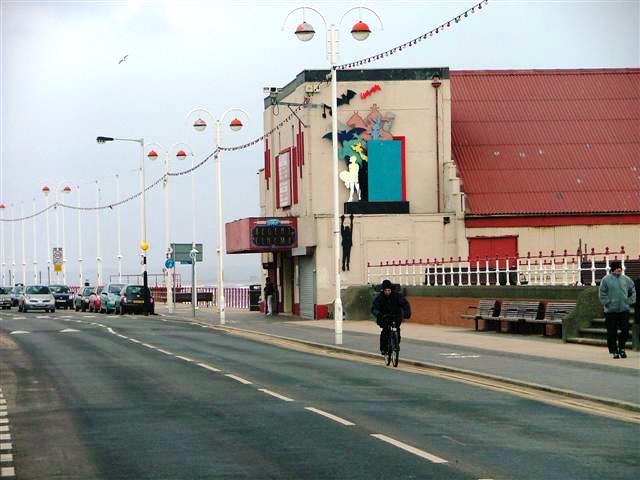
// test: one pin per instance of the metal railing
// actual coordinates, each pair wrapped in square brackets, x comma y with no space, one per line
[579,268]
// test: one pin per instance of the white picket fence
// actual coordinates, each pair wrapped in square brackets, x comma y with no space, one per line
[579,269]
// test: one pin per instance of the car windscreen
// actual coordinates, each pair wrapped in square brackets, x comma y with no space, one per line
[5,290]
[87,291]
[116,288]
[59,289]
[38,290]
[134,290]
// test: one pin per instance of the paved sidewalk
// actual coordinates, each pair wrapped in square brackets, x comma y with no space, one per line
[549,362]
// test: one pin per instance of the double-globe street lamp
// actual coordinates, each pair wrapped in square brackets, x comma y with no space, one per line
[360,32]
[144,246]
[235,125]
[169,266]
[57,191]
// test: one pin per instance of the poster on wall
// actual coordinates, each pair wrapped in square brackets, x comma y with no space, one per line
[284,179]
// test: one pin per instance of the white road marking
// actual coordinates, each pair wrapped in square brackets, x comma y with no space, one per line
[3,407]
[7,472]
[454,440]
[148,346]
[277,395]
[42,316]
[166,352]
[186,359]
[4,428]
[4,421]
[3,414]
[113,316]
[18,332]
[88,316]
[5,436]
[6,457]
[409,448]
[331,416]
[6,446]
[19,318]
[110,330]
[459,355]
[3,401]
[134,340]
[66,316]
[68,330]
[208,367]
[239,379]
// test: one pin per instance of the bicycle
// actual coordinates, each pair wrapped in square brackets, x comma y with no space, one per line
[393,340]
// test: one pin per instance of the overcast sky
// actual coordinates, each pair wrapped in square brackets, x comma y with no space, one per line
[62,85]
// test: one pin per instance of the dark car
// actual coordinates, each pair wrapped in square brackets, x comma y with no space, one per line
[15,294]
[81,299]
[132,300]
[63,296]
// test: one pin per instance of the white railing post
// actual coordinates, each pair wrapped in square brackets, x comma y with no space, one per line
[486,270]
[507,271]
[428,270]
[444,273]
[451,271]
[459,272]
[477,272]
[565,272]
[518,272]
[468,271]
[593,267]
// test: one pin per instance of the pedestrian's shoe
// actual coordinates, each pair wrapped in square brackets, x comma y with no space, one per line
[623,354]
[617,355]
[383,352]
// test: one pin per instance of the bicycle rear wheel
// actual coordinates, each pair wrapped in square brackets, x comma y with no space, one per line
[389,355]
[396,349]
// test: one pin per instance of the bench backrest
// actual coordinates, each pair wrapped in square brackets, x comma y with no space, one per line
[558,311]
[520,309]
[488,308]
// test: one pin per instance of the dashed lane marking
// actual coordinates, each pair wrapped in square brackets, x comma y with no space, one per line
[208,367]
[186,359]
[3,414]
[42,316]
[238,379]
[7,472]
[69,330]
[409,448]
[166,352]
[19,318]
[5,437]
[6,446]
[18,332]
[331,416]
[4,421]
[4,428]
[6,457]
[277,395]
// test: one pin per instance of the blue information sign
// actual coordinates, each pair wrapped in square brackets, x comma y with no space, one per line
[169,263]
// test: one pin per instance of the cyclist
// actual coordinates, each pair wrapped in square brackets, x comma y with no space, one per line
[389,302]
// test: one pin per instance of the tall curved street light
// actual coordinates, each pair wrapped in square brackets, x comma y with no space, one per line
[2,251]
[144,246]
[153,155]
[235,125]
[35,250]
[24,254]
[305,32]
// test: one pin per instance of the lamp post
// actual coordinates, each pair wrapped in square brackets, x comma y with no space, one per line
[2,252]
[59,189]
[35,251]
[180,155]
[80,269]
[235,125]
[24,256]
[119,230]
[49,253]
[360,32]
[144,246]
[12,275]
[99,272]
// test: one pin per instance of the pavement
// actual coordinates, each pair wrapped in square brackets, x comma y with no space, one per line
[580,371]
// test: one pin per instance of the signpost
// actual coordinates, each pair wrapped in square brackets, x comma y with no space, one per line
[57,259]
[185,254]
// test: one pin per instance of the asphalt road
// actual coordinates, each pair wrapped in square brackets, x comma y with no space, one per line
[105,397]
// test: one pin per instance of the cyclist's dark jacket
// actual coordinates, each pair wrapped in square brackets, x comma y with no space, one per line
[394,304]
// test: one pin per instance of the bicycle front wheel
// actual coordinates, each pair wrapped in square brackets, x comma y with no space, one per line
[389,355]
[396,349]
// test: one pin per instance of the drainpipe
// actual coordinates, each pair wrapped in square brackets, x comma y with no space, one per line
[435,83]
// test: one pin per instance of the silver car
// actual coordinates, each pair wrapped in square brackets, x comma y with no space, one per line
[37,297]
[5,297]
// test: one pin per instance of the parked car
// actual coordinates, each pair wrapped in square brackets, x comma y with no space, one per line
[132,300]
[110,297]
[5,297]
[94,300]
[37,297]
[62,294]
[81,298]
[15,294]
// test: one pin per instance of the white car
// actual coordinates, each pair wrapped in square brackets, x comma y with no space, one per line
[37,297]
[5,297]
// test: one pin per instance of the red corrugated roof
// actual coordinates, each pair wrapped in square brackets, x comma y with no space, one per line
[531,142]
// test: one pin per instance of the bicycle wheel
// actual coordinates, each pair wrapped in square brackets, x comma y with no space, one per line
[396,349]
[389,354]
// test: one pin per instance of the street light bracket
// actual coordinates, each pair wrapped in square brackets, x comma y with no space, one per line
[303,8]
[361,7]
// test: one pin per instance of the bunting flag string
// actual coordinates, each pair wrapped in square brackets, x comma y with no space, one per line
[392,51]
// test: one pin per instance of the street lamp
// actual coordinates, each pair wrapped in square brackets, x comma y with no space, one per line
[35,251]
[4,261]
[144,246]
[59,189]
[153,155]
[24,256]
[99,272]
[305,32]
[235,125]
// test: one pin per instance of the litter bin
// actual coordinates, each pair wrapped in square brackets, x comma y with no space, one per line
[254,298]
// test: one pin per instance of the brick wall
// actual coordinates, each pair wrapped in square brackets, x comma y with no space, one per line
[441,310]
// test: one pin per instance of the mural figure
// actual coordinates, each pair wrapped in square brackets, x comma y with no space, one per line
[350,178]
[347,241]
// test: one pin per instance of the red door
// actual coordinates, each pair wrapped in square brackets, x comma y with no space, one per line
[481,248]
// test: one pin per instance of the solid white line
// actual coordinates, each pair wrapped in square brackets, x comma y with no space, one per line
[7,472]
[6,457]
[331,416]
[166,352]
[134,340]
[110,330]
[186,359]
[277,395]
[6,446]
[148,346]
[239,379]
[208,367]
[410,449]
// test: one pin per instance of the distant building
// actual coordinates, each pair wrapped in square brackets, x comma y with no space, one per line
[442,164]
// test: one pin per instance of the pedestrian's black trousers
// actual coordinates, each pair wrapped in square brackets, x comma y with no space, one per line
[617,321]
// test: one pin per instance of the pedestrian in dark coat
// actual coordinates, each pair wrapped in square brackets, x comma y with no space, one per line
[617,295]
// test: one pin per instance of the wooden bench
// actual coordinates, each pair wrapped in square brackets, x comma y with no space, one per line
[554,314]
[486,310]
[185,297]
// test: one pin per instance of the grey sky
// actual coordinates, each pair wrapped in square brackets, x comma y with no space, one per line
[61,86]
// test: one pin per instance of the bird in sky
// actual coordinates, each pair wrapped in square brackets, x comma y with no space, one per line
[123,59]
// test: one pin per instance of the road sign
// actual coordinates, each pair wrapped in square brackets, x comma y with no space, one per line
[57,267]
[169,263]
[181,252]
[57,255]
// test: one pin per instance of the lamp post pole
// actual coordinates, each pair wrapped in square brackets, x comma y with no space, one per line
[49,252]
[2,251]
[80,269]
[24,255]
[12,276]
[235,125]
[119,256]
[305,32]
[99,279]
[35,251]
